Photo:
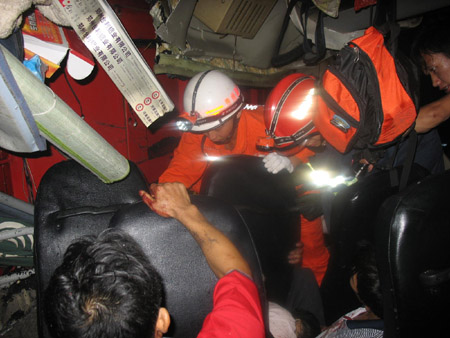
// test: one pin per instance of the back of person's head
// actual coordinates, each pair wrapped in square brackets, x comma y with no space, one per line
[307,324]
[432,39]
[105,287]
[368,280]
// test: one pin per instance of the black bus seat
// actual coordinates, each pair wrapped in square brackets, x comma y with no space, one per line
[413,254]
[267,202]
[353,218]
[72,202]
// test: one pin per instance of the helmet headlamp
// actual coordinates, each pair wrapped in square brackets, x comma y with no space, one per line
[184,125]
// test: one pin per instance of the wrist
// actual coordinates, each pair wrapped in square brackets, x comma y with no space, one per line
[295,161]
[187,213]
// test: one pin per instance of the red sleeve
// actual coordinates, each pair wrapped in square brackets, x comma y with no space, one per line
[188,163]
[237,309]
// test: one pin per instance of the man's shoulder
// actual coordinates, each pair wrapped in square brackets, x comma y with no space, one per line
[254,112]
[188,137]
[189,142]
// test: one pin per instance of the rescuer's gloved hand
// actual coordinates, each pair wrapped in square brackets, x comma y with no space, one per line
[310,205]
[274,163]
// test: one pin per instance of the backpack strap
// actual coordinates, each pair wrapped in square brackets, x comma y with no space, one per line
[386,11]
[279,60]
[385,22]
[310,56]
[402,182]
[407,164]
[393,177]
[317,53]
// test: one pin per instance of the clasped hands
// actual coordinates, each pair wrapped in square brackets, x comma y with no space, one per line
[167,199]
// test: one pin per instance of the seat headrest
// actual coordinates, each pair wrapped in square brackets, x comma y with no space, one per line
[244,181]
[68,185]
[355,208]
[267,204]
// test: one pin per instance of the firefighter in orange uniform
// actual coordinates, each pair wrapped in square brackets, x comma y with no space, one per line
[288,118]
[218,123]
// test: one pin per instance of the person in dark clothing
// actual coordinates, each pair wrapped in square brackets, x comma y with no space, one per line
[432,51]
[366,321]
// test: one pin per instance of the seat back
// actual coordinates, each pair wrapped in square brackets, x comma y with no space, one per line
[353,215]
[412,242]
[72,202]
[188,280]
[267,204]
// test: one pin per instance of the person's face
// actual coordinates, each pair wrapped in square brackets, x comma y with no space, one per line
[314,141]
[353,283]
[223,134]
[438,67]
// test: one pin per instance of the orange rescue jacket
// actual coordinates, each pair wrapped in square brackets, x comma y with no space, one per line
[190,158]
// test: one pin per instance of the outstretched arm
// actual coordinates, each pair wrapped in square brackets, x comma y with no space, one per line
[172,200]
[432,114]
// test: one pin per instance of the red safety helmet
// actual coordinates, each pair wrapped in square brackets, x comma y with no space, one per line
[289,110]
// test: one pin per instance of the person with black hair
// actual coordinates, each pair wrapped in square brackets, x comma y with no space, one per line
[107,288]
[307,325]
[366,321]
[432,51]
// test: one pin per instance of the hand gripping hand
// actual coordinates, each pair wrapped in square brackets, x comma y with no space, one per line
[274,163]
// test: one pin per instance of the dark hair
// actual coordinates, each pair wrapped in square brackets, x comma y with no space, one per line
[368,280]
[105,287]
[310,324]
[432,39]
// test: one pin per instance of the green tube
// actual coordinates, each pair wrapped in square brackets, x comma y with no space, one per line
[62,127]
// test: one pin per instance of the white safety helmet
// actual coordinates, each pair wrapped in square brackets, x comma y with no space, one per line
[210,99]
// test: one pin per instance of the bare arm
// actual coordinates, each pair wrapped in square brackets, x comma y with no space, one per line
[172,200]
[295,161]
[431,115]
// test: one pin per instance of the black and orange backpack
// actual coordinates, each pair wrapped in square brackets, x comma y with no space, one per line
[369,96]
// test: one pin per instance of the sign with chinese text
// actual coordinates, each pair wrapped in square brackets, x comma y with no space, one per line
[102,32]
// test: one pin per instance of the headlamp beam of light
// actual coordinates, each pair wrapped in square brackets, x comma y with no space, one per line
[303,110]
[212,158]
[322,178]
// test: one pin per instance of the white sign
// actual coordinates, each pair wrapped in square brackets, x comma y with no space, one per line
[102,32]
